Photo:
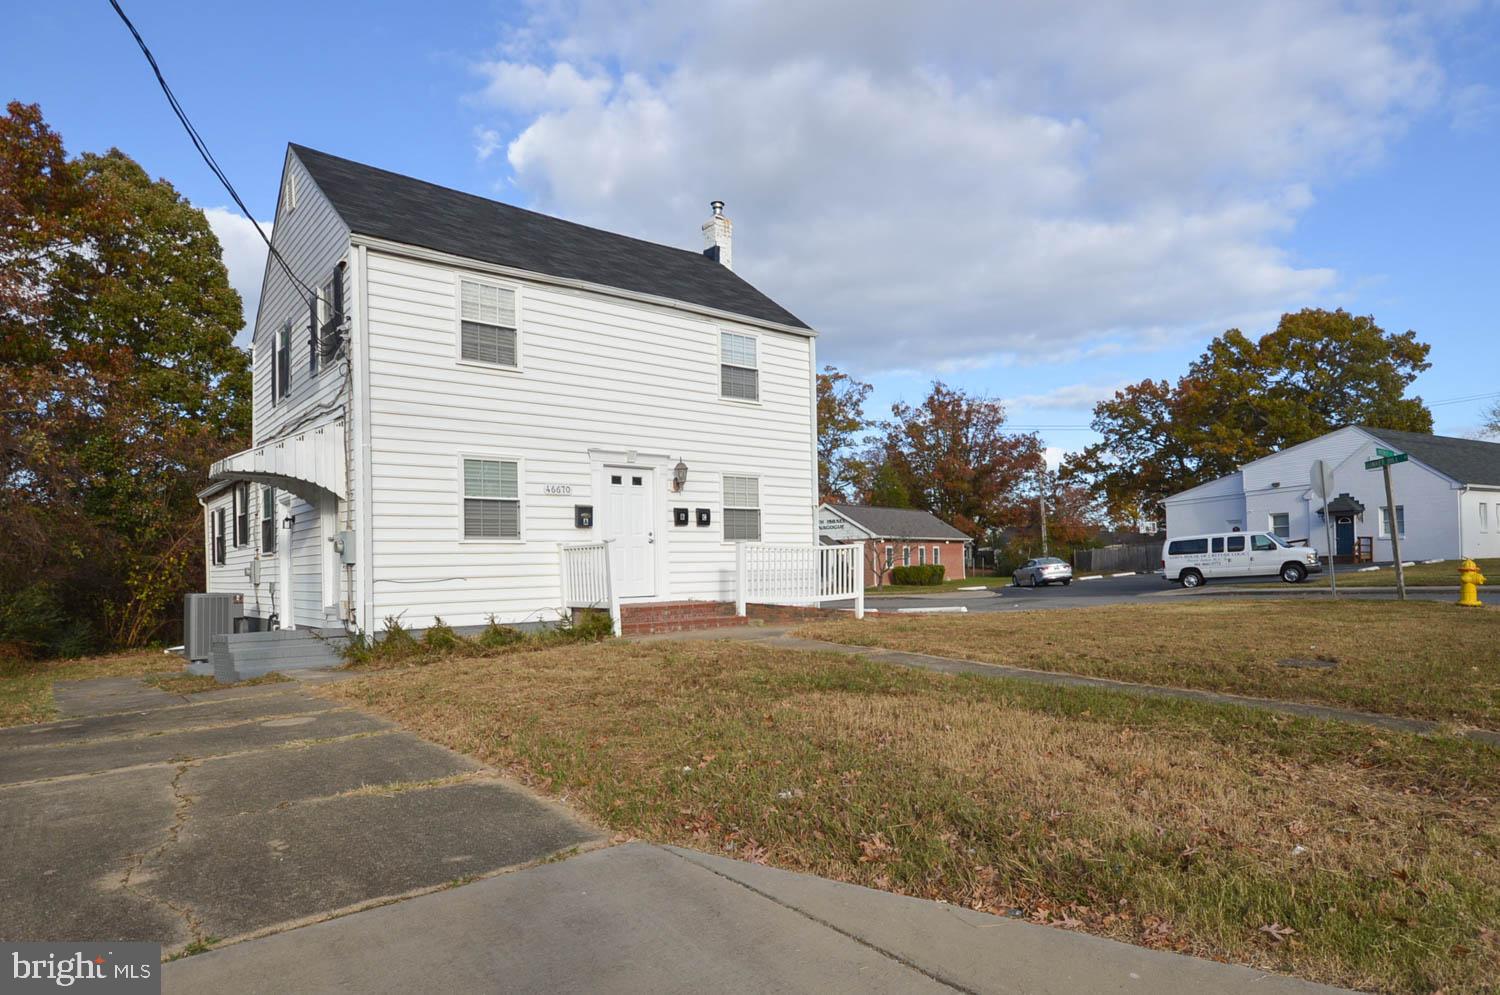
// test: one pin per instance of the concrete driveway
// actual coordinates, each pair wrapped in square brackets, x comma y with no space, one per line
[143,815]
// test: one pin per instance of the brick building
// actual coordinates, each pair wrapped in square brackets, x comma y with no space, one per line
[895,537]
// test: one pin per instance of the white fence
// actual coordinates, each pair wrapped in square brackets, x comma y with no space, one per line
[767,573]
[586,581]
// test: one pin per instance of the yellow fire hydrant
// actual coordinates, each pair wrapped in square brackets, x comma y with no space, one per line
[1469,579]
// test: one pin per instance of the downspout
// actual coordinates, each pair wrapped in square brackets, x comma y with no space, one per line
[812,371]
[359,332]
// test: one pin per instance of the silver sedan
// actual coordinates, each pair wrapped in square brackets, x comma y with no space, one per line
[1041,572]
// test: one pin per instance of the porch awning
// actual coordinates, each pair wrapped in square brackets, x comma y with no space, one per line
[1343,505]
[314,456]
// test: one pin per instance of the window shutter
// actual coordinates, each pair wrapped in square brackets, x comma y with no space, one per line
[338,292]
[312,333]
[275,391]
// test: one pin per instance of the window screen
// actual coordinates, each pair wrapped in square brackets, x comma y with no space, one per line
[741,509]
[739,372]
[487,321]
[492,500]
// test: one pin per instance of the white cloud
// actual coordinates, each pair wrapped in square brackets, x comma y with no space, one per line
[486,142]
[944,185]
[1072,397]
[244,256]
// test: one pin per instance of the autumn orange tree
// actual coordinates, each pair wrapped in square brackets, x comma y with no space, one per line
[1245,398]
[951,455]
[119,383]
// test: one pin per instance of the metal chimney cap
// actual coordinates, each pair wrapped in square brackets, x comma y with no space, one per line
[718,206]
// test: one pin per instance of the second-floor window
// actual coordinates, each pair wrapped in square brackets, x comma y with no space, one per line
[216,547]
[283,368]
[487,324]
[739,368]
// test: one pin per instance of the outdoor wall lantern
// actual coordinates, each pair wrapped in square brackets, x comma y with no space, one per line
[679,475]
[289,521]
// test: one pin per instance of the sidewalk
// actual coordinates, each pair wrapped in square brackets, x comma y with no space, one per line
[644,918]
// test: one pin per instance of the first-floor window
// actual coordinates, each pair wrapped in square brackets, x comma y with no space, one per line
[906,556]
[921,556]
[267,519]
[241,514]
[1281,524]
[217,552]
[1385,522]
[492,499]
[937,554]
[1484,516]
[890,557]
[741,509]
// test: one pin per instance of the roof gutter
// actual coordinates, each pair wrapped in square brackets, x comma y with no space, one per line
[449,259]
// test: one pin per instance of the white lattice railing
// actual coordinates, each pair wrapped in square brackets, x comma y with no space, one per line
[586,581]
[778,574]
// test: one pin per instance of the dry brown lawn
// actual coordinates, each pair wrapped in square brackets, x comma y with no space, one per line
[26,685]
[1422,659]
[1324,849]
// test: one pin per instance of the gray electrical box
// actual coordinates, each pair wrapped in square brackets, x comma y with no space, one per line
[344,544]
[253,572]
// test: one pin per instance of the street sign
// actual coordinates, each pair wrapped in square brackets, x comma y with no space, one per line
[1385,459]
[1322,478]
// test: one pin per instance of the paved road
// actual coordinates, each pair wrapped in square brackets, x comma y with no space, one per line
[1135,589]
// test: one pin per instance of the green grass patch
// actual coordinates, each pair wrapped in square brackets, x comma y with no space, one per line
[1442,574]
[1340,853]
[945,586]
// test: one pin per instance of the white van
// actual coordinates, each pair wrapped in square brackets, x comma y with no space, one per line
[1191,560]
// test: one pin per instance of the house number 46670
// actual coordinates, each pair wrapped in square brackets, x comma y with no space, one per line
[558,489]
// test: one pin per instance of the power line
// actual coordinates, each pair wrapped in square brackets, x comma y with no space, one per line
[202,147]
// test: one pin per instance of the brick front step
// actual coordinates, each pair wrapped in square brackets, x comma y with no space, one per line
[680,625]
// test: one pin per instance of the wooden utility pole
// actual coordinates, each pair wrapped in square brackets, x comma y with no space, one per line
[1041,500]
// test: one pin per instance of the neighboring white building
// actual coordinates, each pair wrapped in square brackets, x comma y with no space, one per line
[474,385]
[1447,496]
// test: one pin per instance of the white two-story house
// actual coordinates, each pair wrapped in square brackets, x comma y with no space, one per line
[451,391]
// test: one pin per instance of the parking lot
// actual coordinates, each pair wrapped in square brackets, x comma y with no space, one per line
[1108,591]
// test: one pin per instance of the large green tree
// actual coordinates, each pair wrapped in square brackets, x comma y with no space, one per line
[119,383]
[841,420]
[951,455]
[1245,398]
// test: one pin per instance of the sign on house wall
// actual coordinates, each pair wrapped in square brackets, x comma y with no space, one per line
[837,529]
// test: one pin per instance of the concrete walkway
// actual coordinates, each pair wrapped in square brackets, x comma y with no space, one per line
[780,637]
[143,815]
[642,918]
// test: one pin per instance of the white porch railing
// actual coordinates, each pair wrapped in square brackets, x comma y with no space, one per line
[586,581]
[770,573]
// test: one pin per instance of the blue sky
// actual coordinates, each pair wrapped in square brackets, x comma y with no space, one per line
[1035,201]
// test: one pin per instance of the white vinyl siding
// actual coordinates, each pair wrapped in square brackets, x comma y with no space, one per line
[739,367]
[492,499]
[487,324]
[741,509]
[1385,521]
[604,379]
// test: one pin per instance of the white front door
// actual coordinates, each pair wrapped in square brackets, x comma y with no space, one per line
[629,521]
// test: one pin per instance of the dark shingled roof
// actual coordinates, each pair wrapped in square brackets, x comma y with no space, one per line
[413,212]
[898,523]
[1467,461]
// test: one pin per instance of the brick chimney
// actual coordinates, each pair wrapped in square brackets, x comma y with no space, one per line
[718,235]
